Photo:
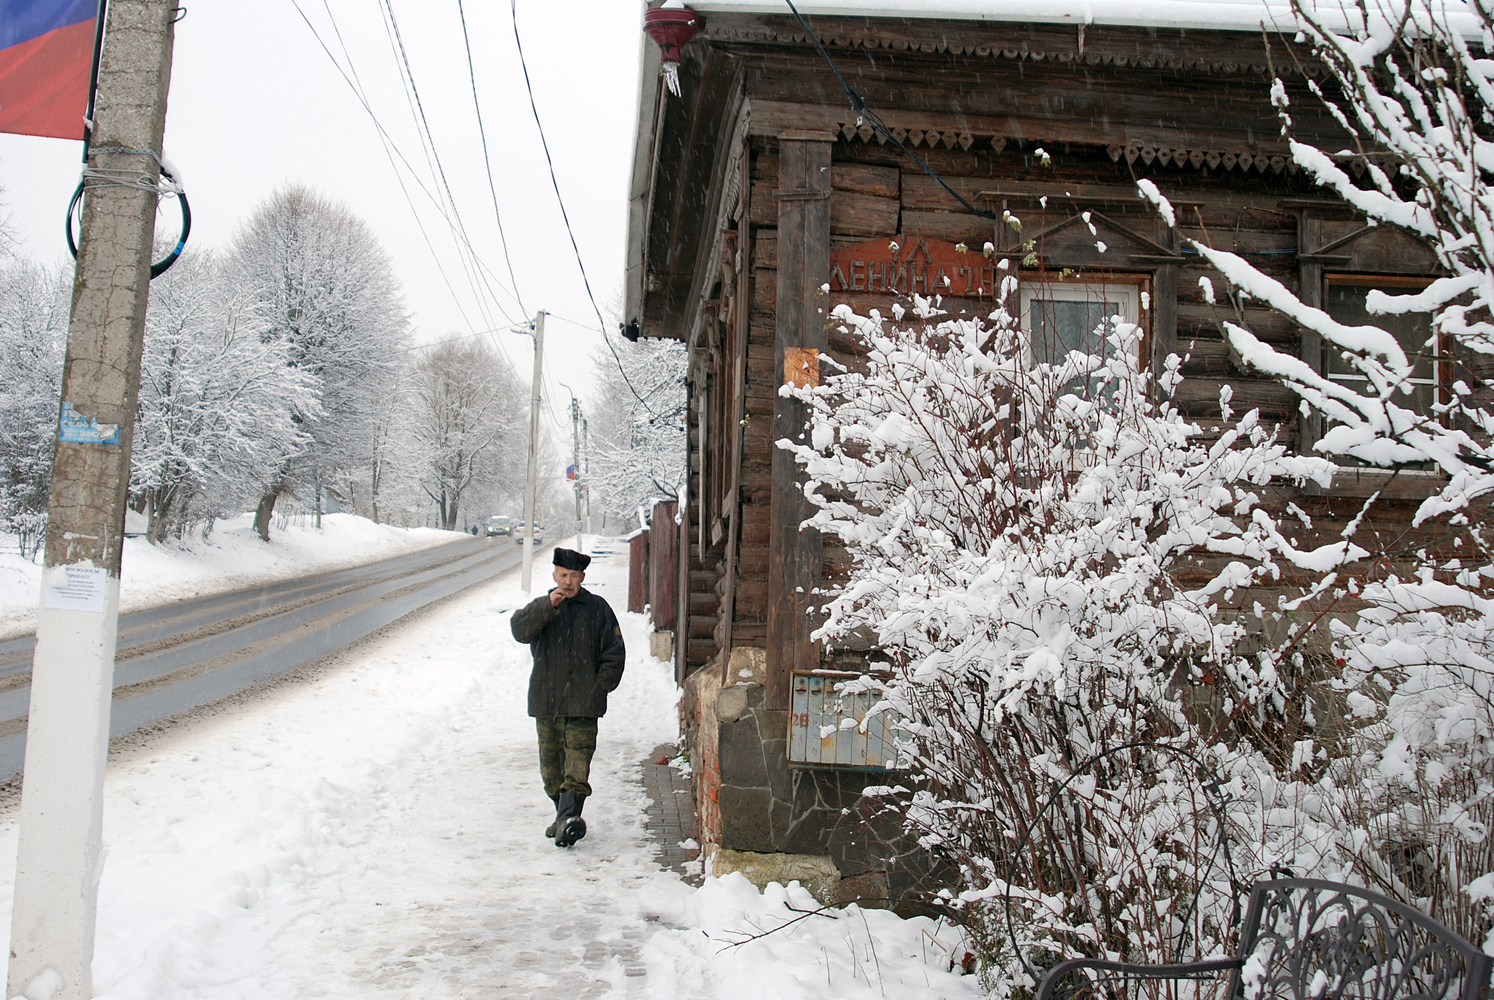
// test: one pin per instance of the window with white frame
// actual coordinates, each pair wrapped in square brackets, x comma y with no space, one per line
[1075,315]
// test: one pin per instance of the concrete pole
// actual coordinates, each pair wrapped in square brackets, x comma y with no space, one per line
[576,466]
[526,575]
[59,857]
[586,452]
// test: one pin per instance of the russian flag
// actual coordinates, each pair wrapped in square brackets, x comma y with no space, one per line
[46,63]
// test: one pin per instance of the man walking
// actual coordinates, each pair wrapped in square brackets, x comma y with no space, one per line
[578,658]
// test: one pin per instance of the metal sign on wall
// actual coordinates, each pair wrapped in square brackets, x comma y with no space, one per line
[829,728]
[912,265]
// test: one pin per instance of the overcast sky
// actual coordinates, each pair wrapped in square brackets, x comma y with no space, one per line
[256,103]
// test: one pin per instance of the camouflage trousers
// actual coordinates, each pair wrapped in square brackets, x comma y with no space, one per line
[566,743]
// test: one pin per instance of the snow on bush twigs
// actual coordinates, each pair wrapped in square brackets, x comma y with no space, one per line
[1406,780]
[1019,532]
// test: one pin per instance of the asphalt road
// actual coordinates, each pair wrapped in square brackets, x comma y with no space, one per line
[181,656]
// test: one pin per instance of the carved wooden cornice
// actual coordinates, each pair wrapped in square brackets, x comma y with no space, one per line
[1244,160]
[1213,52]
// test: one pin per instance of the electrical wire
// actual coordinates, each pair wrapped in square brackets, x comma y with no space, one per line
[487,164]
[514,13]
[389,144]
[391,149]
[870,117]
[409,77]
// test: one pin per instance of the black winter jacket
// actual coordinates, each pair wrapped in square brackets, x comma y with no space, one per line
[578,654]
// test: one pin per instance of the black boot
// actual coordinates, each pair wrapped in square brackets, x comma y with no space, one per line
[550,830]
[569,826]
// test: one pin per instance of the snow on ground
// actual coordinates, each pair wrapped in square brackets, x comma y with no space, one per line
[232,558]
[373,828]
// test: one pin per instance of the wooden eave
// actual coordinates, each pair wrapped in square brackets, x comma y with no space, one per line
[1215,53]
[677,186]
[951,83]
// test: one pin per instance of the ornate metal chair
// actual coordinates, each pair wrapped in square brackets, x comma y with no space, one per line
[1307,939]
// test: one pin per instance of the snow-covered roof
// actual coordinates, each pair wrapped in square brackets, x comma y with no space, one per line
[1198,15]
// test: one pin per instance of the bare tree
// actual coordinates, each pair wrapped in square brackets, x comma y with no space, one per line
[637,425]
[463,398]
[33,330]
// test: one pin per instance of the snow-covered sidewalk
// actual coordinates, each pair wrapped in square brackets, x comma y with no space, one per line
[233,558]
[373,829]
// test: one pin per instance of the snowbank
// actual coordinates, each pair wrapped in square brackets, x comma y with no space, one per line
[232,558]
[730,941]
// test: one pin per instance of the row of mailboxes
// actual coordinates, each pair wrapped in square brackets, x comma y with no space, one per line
[831,728]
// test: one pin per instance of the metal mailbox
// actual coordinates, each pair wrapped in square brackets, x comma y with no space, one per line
[819,732]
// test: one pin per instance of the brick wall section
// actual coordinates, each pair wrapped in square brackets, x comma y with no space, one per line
[702,735]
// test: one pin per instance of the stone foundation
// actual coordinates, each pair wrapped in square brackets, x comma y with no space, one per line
[815,873]
[753,805]
[661,644]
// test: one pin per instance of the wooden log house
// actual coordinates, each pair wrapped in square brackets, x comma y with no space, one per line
[757,186]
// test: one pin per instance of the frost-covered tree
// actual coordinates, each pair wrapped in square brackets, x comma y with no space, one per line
[1408,797]
[33,335]
[464,402]
[313,277]
[217,403]
[637,432]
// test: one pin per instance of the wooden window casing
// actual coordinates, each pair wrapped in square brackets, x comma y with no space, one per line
[1412,331]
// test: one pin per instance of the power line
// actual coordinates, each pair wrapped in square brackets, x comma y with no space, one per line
[472,263]
[388,143]
[545,145]
[391,150]
[864,113]
[409,77]
[487,164]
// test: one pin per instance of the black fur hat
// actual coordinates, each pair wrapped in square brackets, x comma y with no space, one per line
[571,559]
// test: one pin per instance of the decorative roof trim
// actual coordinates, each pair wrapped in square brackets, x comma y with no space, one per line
[1245,160]
[1052,43]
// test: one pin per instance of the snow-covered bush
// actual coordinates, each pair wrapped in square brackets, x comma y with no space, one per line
[1411,796]
[1017,532]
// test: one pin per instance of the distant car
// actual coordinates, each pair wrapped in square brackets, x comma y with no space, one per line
[539,533]
[500,525]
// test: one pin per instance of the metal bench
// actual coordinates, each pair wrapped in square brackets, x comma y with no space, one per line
[1307,939]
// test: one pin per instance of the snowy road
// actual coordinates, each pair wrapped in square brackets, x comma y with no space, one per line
[371,827]
[182,655]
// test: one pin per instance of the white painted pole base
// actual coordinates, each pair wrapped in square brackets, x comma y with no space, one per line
[526,573]
[60,855]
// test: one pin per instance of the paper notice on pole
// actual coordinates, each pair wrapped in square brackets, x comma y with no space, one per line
[77,428]
[75,588]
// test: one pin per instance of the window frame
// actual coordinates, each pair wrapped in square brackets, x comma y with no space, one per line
[1441,363]
[1136,287]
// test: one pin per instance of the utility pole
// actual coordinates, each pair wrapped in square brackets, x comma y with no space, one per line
[586,454]
[576,460]
[59,858]
[534,430]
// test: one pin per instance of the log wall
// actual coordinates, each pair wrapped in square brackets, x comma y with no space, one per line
[1054,137]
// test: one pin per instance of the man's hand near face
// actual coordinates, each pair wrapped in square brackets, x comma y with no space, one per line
[567,584]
